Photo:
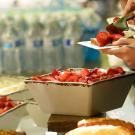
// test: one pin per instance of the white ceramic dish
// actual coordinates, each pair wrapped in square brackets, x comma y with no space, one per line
[81,99]
[90,45]
[11,118]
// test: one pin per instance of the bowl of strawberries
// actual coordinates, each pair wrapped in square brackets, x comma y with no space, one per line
[81,91]
[11,111]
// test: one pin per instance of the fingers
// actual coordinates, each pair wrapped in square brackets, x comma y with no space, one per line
[113,51]
[118,52]
[124,41]
[130,6]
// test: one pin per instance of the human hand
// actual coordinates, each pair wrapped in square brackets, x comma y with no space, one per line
[127,54]
[128,6]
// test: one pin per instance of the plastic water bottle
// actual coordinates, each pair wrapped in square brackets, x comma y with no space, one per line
[1,58]
[21,27]
[10,64]
[20,55]
[34,47]
[53,45]
[37,55]
[73,55]
[72,34]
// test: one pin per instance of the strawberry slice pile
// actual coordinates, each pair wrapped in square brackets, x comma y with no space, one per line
[104,38]
[113,34]
[6,104]
[84,75]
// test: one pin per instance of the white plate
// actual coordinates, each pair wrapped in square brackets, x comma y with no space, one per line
[88,44]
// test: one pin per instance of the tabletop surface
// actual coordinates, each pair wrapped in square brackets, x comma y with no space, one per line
[64,123]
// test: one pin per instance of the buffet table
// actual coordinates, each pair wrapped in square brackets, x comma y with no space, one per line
[63,123]
[35,122]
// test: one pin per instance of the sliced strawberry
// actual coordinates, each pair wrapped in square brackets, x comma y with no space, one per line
[36,78]
[85,72]
[110,71]
[64,76]
[2,104]
[48,78]
[119,70]
[103,38]
[96,71]
[10,104]
[4,98]
[95,77]
[55,72]
[114,30]
[6,108]
[116,37]
[73,78]
[116,18]
[83,80]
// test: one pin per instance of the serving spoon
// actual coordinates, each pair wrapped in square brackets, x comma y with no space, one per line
[120,25]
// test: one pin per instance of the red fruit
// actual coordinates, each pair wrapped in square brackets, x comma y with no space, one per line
[116,37]
[85,72]
[48,78]
[10,104]
[64,76]
[37,77]
[95,77]
[6,109]
[2,104]
[111,71]
[55,72]
[119,70]
[4,98]
[115,19]
[112,29]
[73,78]
[96,71]
[103,38]
[83,80]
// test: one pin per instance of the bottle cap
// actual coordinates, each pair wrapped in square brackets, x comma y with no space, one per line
[67,42]
[19,43]
[8,45]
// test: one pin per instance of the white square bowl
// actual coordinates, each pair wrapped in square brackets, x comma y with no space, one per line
[11,118]
[81,99]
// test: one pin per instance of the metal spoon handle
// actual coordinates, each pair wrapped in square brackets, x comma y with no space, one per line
[130,16]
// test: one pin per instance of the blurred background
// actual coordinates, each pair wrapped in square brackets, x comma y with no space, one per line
[37,36]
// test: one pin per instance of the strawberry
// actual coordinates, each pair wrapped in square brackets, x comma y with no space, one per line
[4,98]
[36,78]
[48,78]
[114,30]
[119,70]
[115,19]
[103,38]
[85,72]
[10,104]
[83,80]
[2,104]
[111,71]
[73,78]
[55,72]
[116,37]
[63,76]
